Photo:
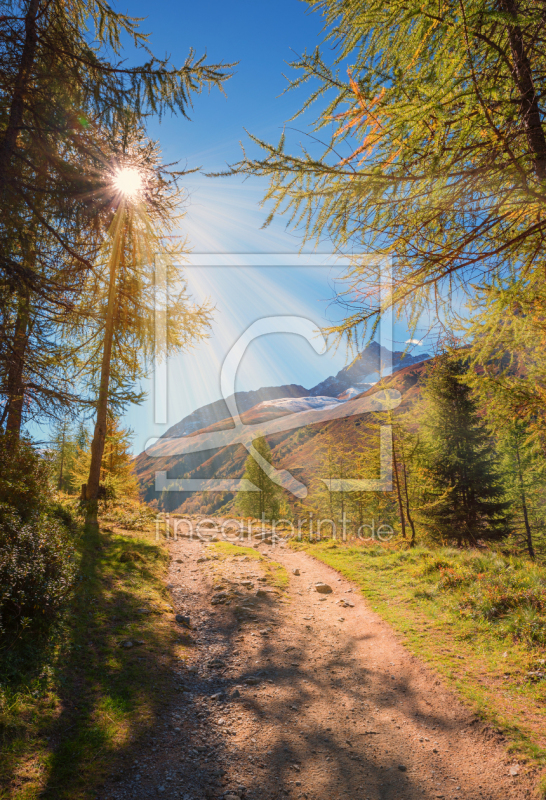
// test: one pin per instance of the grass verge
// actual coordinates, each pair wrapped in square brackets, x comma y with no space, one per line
[75,697]
[477,618]
[275,574]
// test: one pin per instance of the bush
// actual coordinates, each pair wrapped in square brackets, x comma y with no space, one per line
[36,552]
[37,568]
[129,514]
[61,513]
[24,478]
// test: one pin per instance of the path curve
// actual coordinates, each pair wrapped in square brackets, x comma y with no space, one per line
[298,694]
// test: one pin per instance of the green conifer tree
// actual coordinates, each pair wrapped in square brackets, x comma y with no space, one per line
[523,472]
[63,450]
[466,496]
[265,503]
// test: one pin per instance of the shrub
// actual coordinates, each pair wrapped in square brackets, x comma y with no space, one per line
[129,514]
[36,568]
[434,564]
[452,578]
[61,513]
[24,478]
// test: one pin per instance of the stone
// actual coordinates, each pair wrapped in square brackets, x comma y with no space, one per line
[219,598]
[402,768]
[252,681]
[183,620]
[216,662]
[236,693]
[263,592]
[323,588]
[514,770]
[143,611]
[296,571]
[127,644]
[247,584]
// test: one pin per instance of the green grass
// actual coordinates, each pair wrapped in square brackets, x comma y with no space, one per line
[478,618]
[227,550]
[72,699]
[275,573]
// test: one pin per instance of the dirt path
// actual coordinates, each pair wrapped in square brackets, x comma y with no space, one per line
[305,695]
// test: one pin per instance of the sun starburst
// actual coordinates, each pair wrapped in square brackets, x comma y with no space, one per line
[128,181]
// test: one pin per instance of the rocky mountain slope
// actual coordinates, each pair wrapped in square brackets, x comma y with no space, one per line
[364,370]
[296,450]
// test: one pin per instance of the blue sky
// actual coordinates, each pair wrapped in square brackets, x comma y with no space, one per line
[223,215]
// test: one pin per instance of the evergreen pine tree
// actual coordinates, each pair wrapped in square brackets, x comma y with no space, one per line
[466,496]
[265,503]
[63,454]
[522,470]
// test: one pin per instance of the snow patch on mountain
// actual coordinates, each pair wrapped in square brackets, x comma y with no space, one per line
[351,392]
[293,405]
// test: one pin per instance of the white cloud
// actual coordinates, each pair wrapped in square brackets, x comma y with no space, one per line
[413,341]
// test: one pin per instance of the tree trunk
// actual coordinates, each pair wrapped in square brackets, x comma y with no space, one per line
[15,382]
[528,534]
[60,481]
[406,497]
[523,77]
[397,482]
[17,106]
[99,436]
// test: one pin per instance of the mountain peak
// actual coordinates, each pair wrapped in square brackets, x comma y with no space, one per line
[365,369]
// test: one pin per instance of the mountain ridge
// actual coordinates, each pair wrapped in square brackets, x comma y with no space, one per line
[366,364]
[228,462]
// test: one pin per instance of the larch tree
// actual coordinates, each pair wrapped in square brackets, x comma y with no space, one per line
[507,352]
[265,503]
[61,81]
[136,305]
[67,102]
[429,146]
[117,476]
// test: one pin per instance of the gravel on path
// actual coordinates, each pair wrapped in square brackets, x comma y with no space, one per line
[304,694]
